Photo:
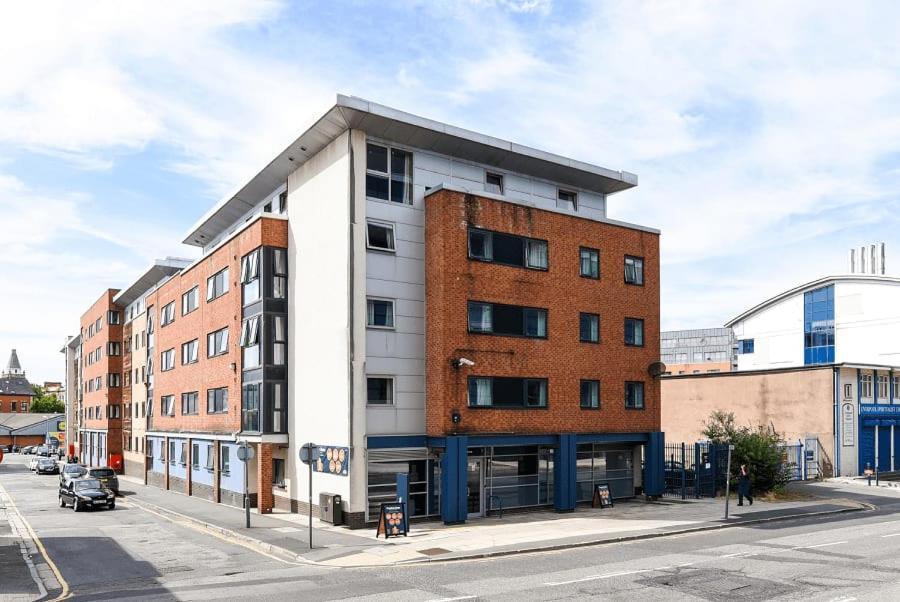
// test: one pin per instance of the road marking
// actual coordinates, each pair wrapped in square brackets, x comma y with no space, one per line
[40,546]
[892,535]
[452,599]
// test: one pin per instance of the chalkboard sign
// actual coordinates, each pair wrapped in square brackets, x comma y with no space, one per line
[392,520]
[602,496]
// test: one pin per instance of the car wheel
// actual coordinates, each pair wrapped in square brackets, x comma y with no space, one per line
[112,505]
[62,502]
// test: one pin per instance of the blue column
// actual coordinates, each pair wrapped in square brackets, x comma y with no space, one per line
[454,469]
[654,464]
[564,463]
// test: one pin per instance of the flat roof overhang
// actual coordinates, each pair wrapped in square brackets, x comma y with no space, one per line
[379,121]
[160,269]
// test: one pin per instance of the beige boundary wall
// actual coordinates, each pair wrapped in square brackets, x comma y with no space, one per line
[798,402]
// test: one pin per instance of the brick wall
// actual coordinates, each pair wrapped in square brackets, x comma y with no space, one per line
[452,280]
[105,396]
[6,402]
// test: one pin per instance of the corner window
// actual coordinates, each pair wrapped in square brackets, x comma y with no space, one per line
[189,352]
[168,314]
[380,237]
[217,400]
[493,182]
[388,174]
[634,270]
[114,348]
[279,339]
[250,342]
[190,300]
[380,391]
[189,403]
[217,285]
[512,320]
[590,394]
[113,317]
[634,332]
[508,249]
[634,395]
[589,328]
[590,263]
[380,313]
[503,392]
[566,199]
[250,277]
[745,346]
[217,343]
[279,274]
[114,380]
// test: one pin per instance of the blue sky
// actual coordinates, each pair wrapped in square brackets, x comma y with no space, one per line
[766,136]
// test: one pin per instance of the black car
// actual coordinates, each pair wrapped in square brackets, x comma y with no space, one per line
[70,472]
[106,476]
[47,466]
[85,494]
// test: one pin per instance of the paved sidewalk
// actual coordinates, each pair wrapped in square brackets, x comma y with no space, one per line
[285,535]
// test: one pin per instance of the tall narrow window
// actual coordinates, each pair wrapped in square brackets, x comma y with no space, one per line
[590,394]
[634,332]
[634,270]
[250,277]
[190,300]
[250,342]
[195,456]
[226,459]
[634,395]
[590,263]
[210,456]
[279,339]
[279,274]
[217,343]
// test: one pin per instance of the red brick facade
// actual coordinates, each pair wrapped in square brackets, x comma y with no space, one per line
[225,311]
[452,279]
[15,403]
[98,404]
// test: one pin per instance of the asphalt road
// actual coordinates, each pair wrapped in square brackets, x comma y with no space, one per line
[131,554]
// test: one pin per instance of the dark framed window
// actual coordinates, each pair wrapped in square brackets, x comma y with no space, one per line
[113,317]
[508,249]
[493,182]
[278,472]
[567,199]
[380,313]
[167,360]
[389,174]
[217,285]
[114,348]
[250,342]
[380,237]
[634,332]
[167,403]
[745,346]
[189,403]
[189,352]
[589,265]
[505,392]
[380,390]
[250,406]
[590,394]
[634,270]
[634,395]
[190,300]
[226,459]
[250,290]
[589,328]
[511,320]
[279,274]
[217,342]
[195,456]
[279,339]
[217,400]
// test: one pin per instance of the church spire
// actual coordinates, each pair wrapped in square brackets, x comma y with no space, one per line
[13,367]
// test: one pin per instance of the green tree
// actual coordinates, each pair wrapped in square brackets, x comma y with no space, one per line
[759,447]
[45,404]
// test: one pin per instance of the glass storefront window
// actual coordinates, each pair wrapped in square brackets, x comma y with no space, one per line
[424,476]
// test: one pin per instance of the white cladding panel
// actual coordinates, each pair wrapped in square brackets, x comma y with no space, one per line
[867,322]
[318,248]
[777,332]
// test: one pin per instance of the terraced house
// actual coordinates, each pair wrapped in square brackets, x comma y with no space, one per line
[417,299]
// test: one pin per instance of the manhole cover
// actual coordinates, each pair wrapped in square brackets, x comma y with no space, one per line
[433,551]
[718,584]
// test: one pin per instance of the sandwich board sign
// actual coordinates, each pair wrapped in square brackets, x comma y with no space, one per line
[602,496]
[392,520]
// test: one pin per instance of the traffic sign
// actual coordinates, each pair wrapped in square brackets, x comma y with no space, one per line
[245,453]
[309,452]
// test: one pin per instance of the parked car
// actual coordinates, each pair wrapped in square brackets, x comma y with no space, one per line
[107,477]
[32,464]
[43,451]
[70,472]
[84,494]
[47,466]
[28,449]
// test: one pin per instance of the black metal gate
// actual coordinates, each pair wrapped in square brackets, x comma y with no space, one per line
[695,470]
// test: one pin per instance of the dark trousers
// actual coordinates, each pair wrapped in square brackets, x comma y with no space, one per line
[744,492]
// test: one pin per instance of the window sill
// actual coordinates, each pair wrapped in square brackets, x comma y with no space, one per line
[510,265]
[513,336]
[190,312]
[388,201]
[589,407]
[373,327]
[471,407]
[380,250]
[217,297]
[635,408]
[634,283]
[379,405]
[633,345]
[590,342]
[586,277]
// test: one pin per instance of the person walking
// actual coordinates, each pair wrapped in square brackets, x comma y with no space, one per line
[744,486]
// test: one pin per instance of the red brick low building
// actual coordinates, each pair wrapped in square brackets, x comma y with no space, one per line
[15,390]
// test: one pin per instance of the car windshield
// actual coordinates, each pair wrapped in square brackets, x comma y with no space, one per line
[87,484]
[74,469]
[102,472]
[46,462]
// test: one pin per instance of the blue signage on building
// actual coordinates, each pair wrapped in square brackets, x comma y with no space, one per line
[871,409]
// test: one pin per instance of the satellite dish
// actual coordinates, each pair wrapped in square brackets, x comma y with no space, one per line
[656,369]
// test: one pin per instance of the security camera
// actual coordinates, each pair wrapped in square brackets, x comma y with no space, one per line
[462,362]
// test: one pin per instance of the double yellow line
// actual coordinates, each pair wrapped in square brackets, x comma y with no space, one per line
[65,593]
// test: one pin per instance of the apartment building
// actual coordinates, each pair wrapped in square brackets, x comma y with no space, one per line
[698,351]
[15,390]
[135,299]
[419,300]
[100,419]
[72,393]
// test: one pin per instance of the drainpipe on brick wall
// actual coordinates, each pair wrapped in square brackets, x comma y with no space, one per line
[189,469]
[217,472]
